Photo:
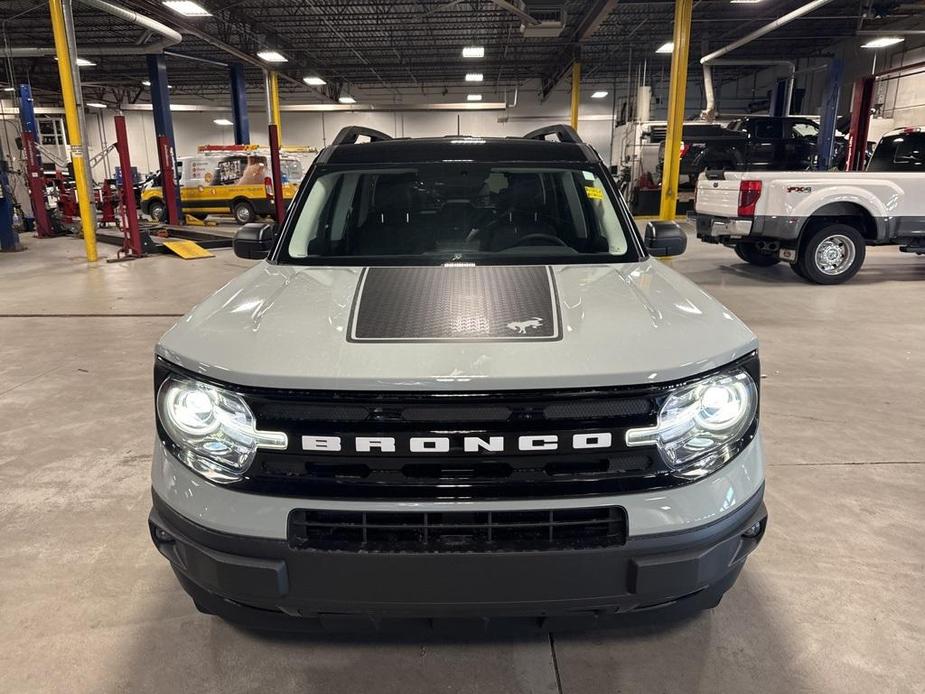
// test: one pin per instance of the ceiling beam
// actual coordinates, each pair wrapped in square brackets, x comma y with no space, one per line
[587,26]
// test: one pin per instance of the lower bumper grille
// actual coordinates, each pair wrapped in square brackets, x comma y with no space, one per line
[457,531]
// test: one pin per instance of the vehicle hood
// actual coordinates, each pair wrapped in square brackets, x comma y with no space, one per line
[604,325]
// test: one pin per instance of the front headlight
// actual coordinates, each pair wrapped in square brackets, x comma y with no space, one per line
[700,424]
[213,429]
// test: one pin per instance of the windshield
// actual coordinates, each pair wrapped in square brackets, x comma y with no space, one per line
[427,213]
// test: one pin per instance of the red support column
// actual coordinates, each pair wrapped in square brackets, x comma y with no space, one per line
[36,178]
[169,183]
[861,102]
[131,241]
[276,167]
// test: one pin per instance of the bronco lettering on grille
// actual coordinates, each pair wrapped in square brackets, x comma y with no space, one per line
[467,444]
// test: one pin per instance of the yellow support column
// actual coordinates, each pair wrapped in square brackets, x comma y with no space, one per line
[273,88]
[576,92]
[72,118]
[677,94]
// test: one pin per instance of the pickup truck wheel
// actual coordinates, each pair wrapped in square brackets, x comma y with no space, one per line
[750,253]
[832,254]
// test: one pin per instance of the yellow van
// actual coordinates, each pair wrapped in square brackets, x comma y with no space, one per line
[223,179]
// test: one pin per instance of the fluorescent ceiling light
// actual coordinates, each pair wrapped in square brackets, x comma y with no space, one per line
[187,8]
[347,100]
[474,77]
[473,52]
[83,62]
[95,104]
[9,89]
[474,97]
[313,81]
[222,121]
[599,95]
[666,47]
[883,42]
[744,2]
[146,83]
[272,57]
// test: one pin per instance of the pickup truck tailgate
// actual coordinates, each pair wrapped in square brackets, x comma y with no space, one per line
[719,198]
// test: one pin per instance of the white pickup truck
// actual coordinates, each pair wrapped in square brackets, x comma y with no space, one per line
[820,222]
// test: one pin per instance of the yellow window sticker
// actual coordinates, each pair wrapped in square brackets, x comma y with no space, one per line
[594,193]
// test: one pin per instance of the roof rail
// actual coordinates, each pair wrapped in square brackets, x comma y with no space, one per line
[350,134]
[565,133]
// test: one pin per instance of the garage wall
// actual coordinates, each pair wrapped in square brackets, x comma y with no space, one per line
[192,129]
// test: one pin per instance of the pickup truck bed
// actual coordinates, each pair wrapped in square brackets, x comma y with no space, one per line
[819,222]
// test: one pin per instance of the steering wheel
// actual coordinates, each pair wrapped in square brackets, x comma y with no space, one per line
[532,239]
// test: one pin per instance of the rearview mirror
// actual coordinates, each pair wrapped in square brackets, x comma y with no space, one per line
[665,238]
[255,240]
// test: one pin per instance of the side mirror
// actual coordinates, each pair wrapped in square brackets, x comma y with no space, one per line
[255,240]
[665,238]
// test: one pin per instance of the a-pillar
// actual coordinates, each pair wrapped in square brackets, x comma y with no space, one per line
[163,130]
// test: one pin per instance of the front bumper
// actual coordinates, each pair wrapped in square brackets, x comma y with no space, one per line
[264,582]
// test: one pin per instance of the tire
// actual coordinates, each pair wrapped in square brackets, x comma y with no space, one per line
[831,254]
[157,211]
[243,212]
[750,253]
[796,270]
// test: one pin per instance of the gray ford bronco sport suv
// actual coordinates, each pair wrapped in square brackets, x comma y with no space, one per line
[457,385]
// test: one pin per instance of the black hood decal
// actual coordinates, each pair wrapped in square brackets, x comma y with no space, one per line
[455,303]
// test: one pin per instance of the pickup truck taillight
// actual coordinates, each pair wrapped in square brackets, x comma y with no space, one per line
[749,192]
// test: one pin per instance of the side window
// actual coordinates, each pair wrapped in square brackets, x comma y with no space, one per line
[766,129]
[910,152]
[902,152]
[804,128]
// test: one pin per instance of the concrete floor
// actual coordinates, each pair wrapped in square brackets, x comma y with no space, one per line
[831,602]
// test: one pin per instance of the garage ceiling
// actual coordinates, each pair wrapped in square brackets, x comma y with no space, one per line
[410,50]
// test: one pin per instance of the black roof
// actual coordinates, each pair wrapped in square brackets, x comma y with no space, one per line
[459,147]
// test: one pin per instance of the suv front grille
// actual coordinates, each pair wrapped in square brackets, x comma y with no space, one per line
[457,531]
[464,469]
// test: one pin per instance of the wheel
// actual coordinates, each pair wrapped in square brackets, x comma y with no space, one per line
[750,253]
[157,211]
[831,254]
[797,271]
[243,212]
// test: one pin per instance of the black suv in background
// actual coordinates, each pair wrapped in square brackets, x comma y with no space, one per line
[768,143]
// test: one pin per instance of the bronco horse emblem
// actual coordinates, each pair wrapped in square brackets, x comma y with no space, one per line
[520,327]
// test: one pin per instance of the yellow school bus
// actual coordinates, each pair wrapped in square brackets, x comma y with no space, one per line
[223,179]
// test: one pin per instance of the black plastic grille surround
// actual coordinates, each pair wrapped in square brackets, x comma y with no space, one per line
[457,474]
[457,531]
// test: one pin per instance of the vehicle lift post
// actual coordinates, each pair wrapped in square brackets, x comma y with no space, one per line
[163,129]
[239,104]
[273,113]
[826,139]
[131,242]
[35,175]
[861,102]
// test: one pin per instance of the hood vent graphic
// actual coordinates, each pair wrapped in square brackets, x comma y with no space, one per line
[451,304]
